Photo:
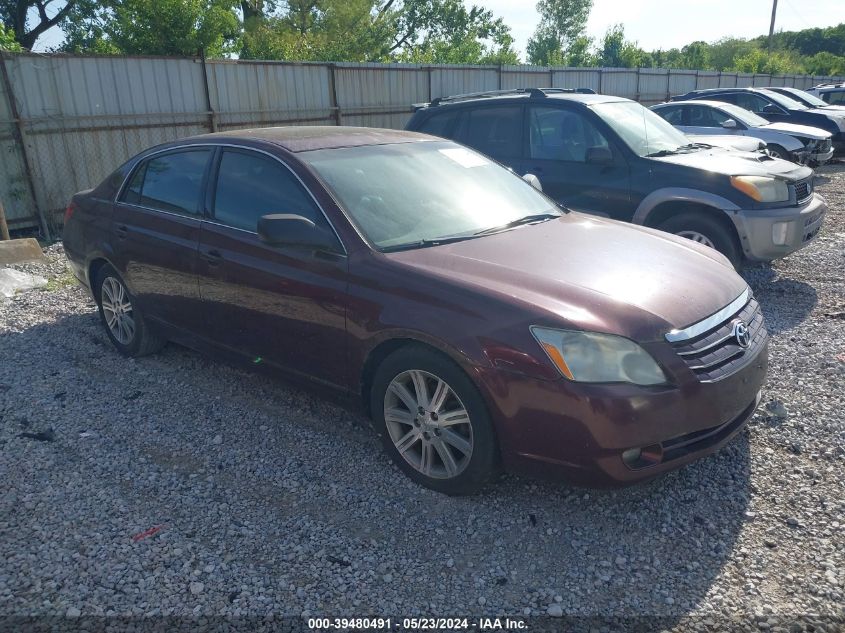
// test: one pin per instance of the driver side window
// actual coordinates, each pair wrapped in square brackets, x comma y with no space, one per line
[751,102]
[705,116]
[250,185]
[558,134]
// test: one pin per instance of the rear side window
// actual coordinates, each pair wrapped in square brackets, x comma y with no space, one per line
[495,131]
[250,185]
[675,116]
[171,182]
[441,124]
[834,97]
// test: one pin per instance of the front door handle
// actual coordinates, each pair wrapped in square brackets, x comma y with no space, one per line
[213,257]
[122,231]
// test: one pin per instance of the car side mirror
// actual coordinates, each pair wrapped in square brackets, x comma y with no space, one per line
[599,155]
[729,124]
[287,229]
[532,180]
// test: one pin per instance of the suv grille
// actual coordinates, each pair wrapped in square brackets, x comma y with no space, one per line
[716,354]
[803,190]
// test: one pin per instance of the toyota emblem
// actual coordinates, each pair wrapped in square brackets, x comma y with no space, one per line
[742,334]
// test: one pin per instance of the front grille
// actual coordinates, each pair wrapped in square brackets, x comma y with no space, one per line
[803,190]
[716,354]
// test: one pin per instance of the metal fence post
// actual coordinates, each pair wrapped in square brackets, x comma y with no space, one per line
[333,94]
[21,138]
[212,117]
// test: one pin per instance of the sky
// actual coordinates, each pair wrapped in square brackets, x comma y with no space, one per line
[656,23]
[673,23]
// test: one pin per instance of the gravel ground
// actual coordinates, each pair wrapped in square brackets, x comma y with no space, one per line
[268,500]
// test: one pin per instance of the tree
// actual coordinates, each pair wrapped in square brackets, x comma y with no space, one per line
[617,52]
[428,31]
[18,17]
[153,27]
[562,22]
[7,40]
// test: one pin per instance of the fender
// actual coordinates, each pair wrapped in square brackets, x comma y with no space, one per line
[680,194]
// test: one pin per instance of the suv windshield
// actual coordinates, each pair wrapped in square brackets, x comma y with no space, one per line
[807,99]
[410,195]
[645,132]
[786,102]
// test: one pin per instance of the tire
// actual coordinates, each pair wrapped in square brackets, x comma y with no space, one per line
[705,230]
[129,332]
[776,151]
[462,451]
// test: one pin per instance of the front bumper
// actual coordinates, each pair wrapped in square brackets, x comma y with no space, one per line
[768,234]
[821,158]
[580,432]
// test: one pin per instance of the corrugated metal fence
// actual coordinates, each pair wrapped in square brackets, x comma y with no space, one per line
[66,121]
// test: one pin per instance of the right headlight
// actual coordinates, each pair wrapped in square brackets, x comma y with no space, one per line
[593,357]
[762,188]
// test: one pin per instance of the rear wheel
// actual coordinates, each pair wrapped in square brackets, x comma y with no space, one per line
[707,231]
[433,421]
[125,325]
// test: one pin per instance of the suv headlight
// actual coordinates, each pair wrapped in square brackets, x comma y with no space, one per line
[592,357]
[762,188]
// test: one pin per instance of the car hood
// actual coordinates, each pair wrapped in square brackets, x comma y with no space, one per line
[741,143]
[807,131]
[592,273]
[735,163]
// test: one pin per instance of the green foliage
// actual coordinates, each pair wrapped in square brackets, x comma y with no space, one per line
[617,52]
[153,27]
[562,25]
[7,40]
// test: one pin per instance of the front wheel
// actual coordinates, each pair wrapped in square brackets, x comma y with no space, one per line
[433,421]
[707,231]
[125,325]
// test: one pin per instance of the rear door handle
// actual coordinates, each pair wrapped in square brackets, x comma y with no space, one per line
[122,231]
[213,257]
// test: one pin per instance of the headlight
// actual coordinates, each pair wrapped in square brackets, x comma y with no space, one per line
[592,357]
[762,188]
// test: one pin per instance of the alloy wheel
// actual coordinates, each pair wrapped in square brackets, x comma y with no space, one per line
[695,236]
[117,309]
[428,424]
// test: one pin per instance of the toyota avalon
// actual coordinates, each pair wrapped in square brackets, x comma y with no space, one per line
[480,325]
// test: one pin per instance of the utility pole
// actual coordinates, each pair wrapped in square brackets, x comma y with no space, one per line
[772,25]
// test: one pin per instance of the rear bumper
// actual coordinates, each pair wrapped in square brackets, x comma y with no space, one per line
[772,233]
[580,432]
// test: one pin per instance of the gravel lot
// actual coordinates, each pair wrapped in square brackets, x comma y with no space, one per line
[272,501]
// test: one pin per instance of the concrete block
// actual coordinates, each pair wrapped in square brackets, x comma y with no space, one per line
[22,250]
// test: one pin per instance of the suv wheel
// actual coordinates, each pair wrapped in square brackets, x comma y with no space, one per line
[707,231]
[433,421]
[776,151]
[124,323]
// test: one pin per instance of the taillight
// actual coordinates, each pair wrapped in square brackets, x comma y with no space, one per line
[69,211]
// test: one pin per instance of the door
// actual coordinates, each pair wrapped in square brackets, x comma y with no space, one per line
[156,227]
[282,305]
[495,131]
[562,144]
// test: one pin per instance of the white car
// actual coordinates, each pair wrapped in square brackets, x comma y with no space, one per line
[797,143]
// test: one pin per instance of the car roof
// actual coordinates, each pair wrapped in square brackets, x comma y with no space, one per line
[709,102]
[535,95]
[303,138]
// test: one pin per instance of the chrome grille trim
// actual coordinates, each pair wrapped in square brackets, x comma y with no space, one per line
[697,329]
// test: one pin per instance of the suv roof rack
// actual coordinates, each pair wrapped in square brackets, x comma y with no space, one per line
[533,93]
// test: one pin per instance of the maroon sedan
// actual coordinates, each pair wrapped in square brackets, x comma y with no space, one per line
[480,325]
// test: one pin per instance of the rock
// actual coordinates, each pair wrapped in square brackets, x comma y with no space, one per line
[555,610]
[218,439]
[197,588]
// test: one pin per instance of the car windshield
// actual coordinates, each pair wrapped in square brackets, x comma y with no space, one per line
[410,195]
[744,116]
[786,102]
[645,132]
[807,99]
